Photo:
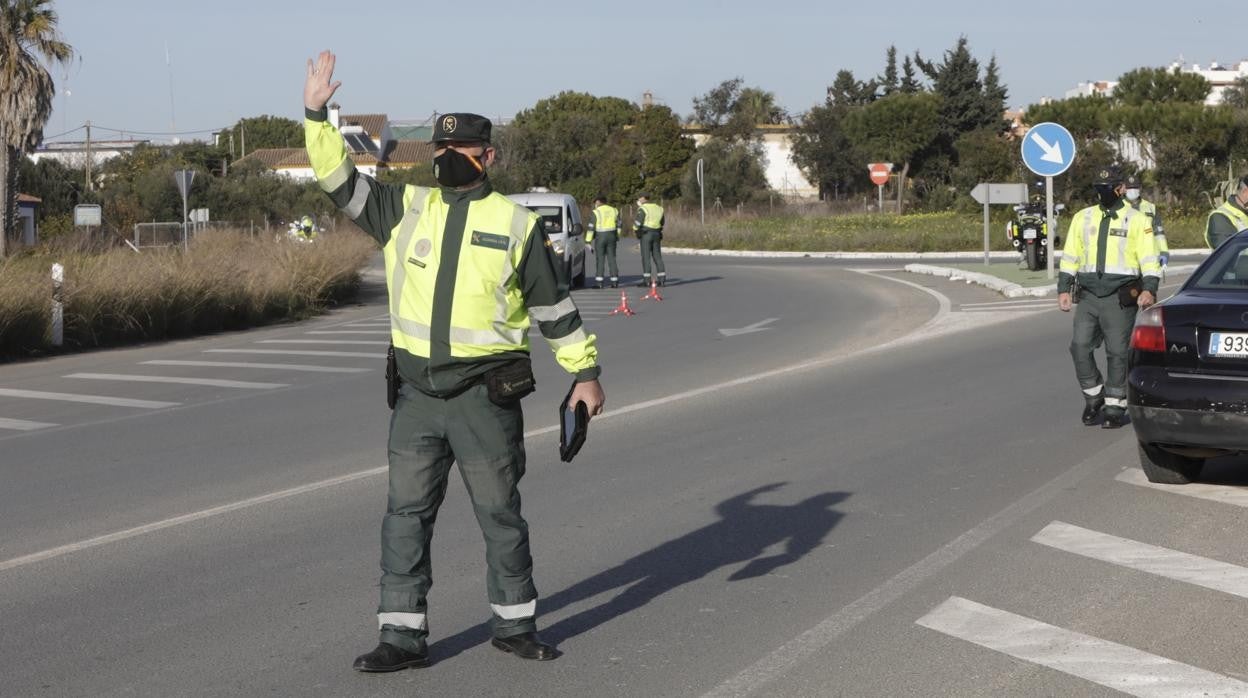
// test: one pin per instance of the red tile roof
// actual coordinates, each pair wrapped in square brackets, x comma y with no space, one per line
[372,123]
[408,153]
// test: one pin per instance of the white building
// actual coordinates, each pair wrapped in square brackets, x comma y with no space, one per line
[73,154]
[782,174]
[1220,77]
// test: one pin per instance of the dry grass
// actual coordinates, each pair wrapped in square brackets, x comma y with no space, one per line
[228,280]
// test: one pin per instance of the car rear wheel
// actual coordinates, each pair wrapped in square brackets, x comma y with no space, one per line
[1167,468]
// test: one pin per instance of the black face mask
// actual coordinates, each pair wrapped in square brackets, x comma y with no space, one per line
[1106,195]
[454,169]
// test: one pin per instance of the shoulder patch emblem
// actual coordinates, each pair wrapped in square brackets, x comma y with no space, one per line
[423,247]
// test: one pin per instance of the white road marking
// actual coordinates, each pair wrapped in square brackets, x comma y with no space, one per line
[349,332]
[1032,309]
[242,364]
[1163,562]
[754,677]
[23,425]
[1109,664]
[368,324]
[296,352]
[370,342]
[213,382]
[1226,494]
[184,519]
[88,399]
[1012,303]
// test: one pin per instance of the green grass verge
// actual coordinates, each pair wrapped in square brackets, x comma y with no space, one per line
[228,280]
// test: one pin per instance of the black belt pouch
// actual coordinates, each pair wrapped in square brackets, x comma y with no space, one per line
[510,382]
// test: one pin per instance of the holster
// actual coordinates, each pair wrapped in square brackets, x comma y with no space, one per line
[392,378]
[1128,294]
[508,383]
[1075,291]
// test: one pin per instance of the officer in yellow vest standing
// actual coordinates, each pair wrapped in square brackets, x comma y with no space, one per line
[466,269]
[1148,208]
[1110,256]
[604,233]
[1229,218]
[649,227]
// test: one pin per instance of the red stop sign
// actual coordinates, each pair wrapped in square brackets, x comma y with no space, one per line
[879,172]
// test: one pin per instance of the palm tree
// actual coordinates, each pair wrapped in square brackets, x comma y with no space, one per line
[27,33]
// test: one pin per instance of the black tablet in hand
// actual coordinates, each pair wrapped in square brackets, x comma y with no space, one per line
[573,427]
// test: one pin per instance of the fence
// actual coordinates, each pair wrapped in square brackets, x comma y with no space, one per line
[157,234]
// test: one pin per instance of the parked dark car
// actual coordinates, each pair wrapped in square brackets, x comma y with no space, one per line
[1188,395]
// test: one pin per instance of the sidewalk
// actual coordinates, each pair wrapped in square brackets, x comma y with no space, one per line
[1001,275]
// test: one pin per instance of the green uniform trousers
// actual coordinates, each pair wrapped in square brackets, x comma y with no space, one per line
[1100,320]
[650,252]
[427,434]
[604,254]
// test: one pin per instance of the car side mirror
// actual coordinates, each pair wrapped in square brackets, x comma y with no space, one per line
[577,229]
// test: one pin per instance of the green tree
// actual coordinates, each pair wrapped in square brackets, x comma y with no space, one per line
[896,129]
[888,81]
[259,132]
[909,79]
[28,33]
[985,155]
[965,106]
[730,111]
[1145,85]
[733,173]
[562,142]
[1236,94]
[824,153]
[659,151]
[848,91]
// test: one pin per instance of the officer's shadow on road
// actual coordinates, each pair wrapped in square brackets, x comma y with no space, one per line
[743,533]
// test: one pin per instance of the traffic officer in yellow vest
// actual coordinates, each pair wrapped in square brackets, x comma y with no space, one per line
[604,233]
[1149,209]
[649,227]
[1110,260]
[466,270]
[1229,218]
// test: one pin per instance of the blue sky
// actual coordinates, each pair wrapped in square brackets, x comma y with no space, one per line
[233,59]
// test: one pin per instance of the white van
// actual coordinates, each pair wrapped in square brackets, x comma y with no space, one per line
[561,218]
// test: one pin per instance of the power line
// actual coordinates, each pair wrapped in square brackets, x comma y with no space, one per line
[72,130]
[160,133]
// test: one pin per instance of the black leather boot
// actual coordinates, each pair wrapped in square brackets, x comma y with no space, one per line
[526,646]
[1115,418]
[1092,412]
[387,657]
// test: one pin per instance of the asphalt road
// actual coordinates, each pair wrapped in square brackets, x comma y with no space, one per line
[883,489]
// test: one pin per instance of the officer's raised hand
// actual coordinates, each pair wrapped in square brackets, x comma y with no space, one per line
[317,89]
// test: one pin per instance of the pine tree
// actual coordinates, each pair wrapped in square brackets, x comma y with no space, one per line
[889,80]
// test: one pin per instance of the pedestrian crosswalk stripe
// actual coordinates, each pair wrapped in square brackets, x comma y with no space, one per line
[349,332]
[211,382]
[297,352]
[88,399]
[23,425]
[1109,664]
[243,364]
[371,342]
[1235,496]
[1163,562]
[368,324]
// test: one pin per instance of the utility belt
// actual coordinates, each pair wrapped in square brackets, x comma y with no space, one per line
[1128,293]
[505,385]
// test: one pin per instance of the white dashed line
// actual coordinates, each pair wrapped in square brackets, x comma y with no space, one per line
[88,399]
[243,364]
[370,342]
[23,425]
[213,382]
[297,352]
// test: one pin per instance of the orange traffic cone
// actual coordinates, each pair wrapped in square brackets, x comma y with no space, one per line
[653,295]
[623,308]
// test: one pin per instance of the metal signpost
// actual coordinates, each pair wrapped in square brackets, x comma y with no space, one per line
[184,179]
[989,193]
[702,191]
[879,176]
[1049,150]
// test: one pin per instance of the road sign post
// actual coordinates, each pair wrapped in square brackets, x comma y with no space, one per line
[1048,150]
[988,193]
[183,178]
[879,176]
[702,190]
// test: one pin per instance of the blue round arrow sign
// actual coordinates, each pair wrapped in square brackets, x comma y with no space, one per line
[1048,149]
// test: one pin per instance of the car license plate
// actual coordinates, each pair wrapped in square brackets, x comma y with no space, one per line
[1029,234]
[1228,344]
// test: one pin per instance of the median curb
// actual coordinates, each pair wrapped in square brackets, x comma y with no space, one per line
[1008,254]
[1009,289]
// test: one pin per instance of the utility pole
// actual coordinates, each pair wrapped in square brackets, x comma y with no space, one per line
[88,156]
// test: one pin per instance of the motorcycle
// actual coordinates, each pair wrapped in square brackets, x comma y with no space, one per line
[1029,234]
